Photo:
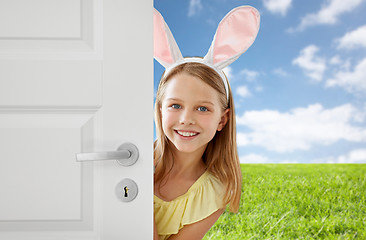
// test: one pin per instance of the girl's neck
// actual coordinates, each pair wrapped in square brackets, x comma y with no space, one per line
[188,164]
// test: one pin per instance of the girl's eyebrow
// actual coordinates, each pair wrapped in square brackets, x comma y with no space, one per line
[207,102]
[173,99]
[200,102]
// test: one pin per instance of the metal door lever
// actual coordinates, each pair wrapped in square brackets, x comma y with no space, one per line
[126,155]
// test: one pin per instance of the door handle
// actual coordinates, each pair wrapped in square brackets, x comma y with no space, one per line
[126,155]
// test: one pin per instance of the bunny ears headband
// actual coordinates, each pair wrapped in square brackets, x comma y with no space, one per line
[235,34]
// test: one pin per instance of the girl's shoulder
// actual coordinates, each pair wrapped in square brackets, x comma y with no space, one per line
[202,199]
[206,184]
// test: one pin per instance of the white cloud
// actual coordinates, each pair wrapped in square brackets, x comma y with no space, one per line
[354,39]
[280,72]
[243,91]
[258,88]
[301,128]
[354,156]
[194,8]
[253,158]
[257,158]
[249,74]
[277,6]
[228,72]
[242,139]
[352,81]
[323,160]
[312,65]
[339,63]
[245,74]
[328,14]
[336,60]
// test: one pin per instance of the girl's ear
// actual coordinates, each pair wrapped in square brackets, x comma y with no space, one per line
[166,50]
[224,119]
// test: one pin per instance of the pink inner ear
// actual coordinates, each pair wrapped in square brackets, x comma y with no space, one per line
[235,35]
[161,43]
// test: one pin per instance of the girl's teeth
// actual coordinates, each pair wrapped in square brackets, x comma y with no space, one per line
[187,134]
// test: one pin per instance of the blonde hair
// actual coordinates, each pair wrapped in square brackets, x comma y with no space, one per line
[221,155]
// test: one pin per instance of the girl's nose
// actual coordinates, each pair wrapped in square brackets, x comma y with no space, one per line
[187,118]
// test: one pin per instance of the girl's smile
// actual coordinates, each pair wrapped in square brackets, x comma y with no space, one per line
[191,113]
[187,135]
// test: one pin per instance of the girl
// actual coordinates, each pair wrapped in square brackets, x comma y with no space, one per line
[197,170]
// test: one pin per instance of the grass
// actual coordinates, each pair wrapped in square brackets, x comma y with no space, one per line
[298,201]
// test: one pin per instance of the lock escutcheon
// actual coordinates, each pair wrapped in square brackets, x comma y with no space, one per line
[126,190]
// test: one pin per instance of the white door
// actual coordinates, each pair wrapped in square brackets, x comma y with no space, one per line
[75,76]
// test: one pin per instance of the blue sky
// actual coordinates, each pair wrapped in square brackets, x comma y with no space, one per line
[300,89]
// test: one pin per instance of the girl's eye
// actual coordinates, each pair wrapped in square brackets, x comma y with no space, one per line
[202,109]
[176,106]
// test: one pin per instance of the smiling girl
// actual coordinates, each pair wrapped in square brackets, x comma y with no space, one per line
[197,170]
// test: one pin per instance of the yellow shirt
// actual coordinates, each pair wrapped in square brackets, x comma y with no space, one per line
[202,199]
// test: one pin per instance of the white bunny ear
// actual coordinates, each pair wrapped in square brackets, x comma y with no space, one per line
[234,35]
[166,50]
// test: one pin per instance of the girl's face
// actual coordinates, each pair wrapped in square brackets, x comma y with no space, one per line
[191,113]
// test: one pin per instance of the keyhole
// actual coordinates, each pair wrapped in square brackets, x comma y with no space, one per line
[126,191]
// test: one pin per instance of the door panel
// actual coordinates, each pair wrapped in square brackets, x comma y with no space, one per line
[18,19]
[51,29]
[51,84]
[42,187]
[79,81]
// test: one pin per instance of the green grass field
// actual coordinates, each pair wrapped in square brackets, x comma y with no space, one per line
[298,201]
